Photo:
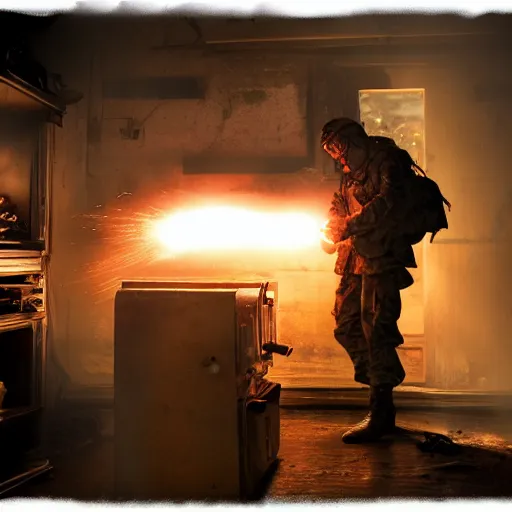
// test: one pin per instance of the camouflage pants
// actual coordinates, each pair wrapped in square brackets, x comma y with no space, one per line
[367,310]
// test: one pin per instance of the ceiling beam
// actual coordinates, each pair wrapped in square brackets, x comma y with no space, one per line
[221,31]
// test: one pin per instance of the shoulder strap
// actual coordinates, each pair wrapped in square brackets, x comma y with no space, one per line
[420,171]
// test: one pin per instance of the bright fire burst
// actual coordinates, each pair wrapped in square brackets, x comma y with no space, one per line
[229,228]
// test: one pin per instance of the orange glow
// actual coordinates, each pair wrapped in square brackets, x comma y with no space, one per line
[230,228]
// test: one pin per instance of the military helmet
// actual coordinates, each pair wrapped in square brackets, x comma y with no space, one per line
[341,128]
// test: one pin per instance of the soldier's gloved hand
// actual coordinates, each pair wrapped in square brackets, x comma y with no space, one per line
[328,247]
[326,243]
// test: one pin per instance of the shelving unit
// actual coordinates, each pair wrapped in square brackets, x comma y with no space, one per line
[28,115]
[23,332]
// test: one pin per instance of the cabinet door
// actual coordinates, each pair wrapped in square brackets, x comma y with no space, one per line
[176,417]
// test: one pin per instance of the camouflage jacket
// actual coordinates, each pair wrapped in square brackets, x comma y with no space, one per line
[368,210]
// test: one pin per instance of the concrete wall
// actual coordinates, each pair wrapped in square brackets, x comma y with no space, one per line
[463,276]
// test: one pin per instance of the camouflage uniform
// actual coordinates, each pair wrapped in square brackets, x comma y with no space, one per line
[368,304]
[384,205]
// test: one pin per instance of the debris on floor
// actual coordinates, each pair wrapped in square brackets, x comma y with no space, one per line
[438,443]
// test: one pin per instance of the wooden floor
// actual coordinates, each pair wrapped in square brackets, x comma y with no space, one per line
[316,465]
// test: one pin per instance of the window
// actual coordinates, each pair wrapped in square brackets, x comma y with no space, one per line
[398,114]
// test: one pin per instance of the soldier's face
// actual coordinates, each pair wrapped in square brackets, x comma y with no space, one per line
[337,152]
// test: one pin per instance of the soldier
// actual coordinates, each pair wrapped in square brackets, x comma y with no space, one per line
[364,228]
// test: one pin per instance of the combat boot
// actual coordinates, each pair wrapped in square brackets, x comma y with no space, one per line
[379,422]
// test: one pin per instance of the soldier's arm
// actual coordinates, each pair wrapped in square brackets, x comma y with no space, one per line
[374,215]
[336,219]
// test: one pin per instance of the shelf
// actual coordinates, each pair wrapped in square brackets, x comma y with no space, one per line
[21,285]
[11,265]
[16,412]
[21,93]
[24,473]
[18,319]
[25,246]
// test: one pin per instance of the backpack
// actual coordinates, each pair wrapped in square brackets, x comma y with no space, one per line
[425,212]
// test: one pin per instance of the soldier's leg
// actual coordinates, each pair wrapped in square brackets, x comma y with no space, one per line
[349,330]
[381,308]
